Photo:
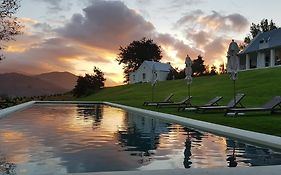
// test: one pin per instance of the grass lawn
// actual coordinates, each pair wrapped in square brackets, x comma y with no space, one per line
[258,85]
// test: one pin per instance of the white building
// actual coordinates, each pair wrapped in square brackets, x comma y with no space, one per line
[263,51]
[144,72]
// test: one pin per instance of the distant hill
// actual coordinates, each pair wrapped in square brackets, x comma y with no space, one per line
[14,84]
[64,80]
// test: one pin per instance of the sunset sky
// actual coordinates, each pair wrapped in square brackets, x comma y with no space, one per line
[76,35]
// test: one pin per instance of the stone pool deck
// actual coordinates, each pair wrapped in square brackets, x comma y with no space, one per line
[249,136]
[262,170]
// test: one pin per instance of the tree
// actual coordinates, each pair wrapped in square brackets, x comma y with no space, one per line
[176,74]
[9,25]
[213,70]
[133,55]
[255,29]
[198,66]
[89,83]
[222,69]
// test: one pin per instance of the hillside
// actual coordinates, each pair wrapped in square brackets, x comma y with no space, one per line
[64,80]
[258,85]
[18,85]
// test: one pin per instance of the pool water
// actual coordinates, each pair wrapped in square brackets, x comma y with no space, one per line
[59,139]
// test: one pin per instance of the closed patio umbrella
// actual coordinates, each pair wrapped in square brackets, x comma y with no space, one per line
[233,63]
[154,78]
[188,72]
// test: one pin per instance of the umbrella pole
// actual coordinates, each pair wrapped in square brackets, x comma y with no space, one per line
[152,96]
[189,90]
[234,91]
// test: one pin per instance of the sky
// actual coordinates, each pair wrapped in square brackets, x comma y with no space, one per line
[76,35]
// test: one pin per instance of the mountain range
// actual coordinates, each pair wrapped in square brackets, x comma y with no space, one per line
[20,85]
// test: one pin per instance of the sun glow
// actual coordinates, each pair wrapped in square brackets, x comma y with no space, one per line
[15,49]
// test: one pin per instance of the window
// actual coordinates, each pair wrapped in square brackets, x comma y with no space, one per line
[143,76]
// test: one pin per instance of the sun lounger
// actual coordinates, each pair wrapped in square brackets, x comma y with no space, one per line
[184,103]
[166,100]
[212,102]
[233,103]
[271,106]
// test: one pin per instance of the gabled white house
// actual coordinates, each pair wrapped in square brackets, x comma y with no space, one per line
[144,72]
[263,51]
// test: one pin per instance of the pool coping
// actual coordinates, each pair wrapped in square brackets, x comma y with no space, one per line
[249,136]
[263,170]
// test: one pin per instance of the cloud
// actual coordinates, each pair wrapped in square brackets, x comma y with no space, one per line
[200,38]
[214,21]
[55,6]
[189,18]
[44,27]
[86,40]
[46,55]
[215,51]
[182,49]
[107,24]
[182,3]
[211,33]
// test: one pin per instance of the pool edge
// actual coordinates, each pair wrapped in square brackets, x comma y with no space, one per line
[6,111]
[264,170]
[249,136]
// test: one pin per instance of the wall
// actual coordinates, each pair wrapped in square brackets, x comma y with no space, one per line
[145,69]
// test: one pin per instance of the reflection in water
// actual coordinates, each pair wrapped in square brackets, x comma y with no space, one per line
[59,139]
[187,152]
[139,134]
[93,113]
[232,158]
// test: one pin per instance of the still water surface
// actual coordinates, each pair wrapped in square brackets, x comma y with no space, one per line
[59,139]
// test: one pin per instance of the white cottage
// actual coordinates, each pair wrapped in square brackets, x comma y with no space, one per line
[263,51]
[144,72]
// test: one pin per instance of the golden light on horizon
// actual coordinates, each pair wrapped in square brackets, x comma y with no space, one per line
[15,49]
[100,52]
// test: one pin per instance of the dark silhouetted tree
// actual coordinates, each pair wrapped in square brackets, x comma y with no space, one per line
[176,74]
[255,29]
[172,74]
[133,55]
[222,69]
[89,83]
[198,66]
[9,24]
[213,70]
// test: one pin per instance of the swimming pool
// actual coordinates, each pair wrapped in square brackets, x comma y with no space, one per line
[59,139]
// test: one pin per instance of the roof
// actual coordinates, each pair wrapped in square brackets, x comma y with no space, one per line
[264,40]
[158,66]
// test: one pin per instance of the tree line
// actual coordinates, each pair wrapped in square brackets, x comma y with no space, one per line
[198,69]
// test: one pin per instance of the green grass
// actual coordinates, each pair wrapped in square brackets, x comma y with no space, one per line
[258,85]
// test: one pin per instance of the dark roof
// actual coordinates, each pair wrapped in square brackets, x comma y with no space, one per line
[264,40]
